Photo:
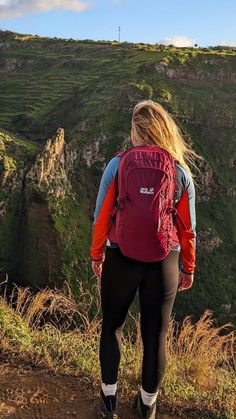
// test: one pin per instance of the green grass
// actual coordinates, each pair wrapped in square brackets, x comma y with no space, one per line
[14,144]
[60,65]
[208,212]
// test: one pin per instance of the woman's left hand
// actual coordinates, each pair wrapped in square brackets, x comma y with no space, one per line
[97,268]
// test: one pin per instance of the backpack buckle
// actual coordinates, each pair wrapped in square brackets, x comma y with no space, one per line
[118,206]
[114,211]
[175,213]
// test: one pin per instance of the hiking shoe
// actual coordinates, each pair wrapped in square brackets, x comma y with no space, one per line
[107,407]
[144,411]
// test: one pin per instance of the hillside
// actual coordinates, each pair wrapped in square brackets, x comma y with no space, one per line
[50,367]
[48,187]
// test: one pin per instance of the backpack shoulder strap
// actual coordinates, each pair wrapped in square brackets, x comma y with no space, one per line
[120,154]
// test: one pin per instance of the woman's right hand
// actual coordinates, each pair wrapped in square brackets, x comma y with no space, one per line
[185,281]
[97,268]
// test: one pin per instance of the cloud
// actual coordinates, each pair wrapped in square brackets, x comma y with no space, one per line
[178,41]
[19,8]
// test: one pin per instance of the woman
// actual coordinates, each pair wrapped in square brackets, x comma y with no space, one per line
[158,281]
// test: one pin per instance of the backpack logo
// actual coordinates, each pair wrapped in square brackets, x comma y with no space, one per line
[147,190]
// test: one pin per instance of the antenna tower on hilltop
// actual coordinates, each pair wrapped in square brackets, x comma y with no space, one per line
[119,32]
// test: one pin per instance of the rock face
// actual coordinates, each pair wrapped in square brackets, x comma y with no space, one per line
[49,172]
[11,65]
[208,184]
[184,72]
[34,189]
[94,153]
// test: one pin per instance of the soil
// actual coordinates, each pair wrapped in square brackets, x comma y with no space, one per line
[29,393]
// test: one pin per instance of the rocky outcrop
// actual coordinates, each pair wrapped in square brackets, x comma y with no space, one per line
[91,153]
[34,188]
[10,64]
[185,72]
[50,172]
[208,184]
[94,152]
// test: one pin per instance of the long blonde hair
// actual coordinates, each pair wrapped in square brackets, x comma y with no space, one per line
[153,125]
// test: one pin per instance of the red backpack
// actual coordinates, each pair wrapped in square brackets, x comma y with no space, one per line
[144,209]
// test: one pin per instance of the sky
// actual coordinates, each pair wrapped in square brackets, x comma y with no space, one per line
[178,22]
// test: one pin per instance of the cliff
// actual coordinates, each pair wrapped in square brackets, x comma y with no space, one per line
[35,187]
[49,181]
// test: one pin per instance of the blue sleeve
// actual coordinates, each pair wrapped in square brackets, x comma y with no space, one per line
[107,176]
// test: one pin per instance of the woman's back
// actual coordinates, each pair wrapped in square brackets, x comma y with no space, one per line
[184,201]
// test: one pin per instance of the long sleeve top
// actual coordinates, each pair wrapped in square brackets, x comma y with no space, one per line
[183,241]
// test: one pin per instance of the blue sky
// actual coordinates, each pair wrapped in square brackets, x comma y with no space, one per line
[205,22]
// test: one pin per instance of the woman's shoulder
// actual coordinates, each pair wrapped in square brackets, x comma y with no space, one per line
[185,182]
[112,166]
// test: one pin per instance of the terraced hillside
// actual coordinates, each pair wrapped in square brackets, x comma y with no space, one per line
[89,89]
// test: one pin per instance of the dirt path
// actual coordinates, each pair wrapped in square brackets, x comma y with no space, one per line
[27,393]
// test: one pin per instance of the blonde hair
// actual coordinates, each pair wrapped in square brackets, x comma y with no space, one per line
[153,125]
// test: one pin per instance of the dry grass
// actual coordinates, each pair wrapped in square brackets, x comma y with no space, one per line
[50,330]
[199,349]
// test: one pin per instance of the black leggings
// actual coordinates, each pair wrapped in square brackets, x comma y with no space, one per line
[157,283]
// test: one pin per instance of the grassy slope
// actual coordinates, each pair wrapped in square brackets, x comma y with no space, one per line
[199,378]
[90,88]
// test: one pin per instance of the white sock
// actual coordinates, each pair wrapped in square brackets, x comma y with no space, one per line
[109,389]
[148,398]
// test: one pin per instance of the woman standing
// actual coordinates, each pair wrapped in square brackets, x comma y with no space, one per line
[157,280]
